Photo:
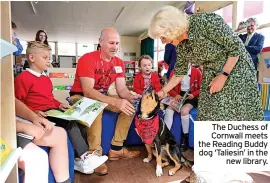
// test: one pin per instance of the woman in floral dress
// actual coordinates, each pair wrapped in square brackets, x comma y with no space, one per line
[229,88]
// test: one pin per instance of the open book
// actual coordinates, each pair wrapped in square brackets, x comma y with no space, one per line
[85,111]
[176,105]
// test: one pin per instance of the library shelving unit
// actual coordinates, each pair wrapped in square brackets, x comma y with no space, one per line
[9,169]
[62,80]
[131,70]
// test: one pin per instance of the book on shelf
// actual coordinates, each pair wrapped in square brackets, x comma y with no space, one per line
[84,111]
[60,75]
[62,87]
[4,151]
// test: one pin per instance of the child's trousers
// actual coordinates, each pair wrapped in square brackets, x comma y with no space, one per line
[75,132]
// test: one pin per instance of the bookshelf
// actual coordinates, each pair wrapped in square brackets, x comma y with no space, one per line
[131,70]
[9,169]
[62,79]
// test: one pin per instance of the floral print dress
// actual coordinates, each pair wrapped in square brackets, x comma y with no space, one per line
[211,41]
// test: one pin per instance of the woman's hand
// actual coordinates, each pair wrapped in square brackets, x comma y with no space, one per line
[217,83]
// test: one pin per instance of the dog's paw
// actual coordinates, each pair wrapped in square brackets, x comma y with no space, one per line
[171,172]
[146,160]
[159,171]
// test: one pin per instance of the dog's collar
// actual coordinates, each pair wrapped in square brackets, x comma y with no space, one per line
[139,116]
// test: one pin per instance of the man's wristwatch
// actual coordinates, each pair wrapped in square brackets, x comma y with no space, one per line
[224,73]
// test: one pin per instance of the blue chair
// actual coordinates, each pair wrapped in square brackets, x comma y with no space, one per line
[177,127]
[266,115]
[109,120]
[133,138]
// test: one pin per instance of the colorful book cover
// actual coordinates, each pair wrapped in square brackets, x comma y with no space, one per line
[176,105]
[58,75]
[62,87]
[59,87]
[5,151]
[85,111]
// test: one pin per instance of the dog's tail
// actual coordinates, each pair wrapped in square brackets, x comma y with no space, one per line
[175,149]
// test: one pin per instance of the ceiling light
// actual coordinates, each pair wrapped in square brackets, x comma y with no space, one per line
[33,7]
[120,13]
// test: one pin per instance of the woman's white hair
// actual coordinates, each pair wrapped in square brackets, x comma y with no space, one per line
[168,22]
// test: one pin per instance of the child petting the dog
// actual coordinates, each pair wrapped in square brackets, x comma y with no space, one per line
[146,77]
[34,89]
[191,84]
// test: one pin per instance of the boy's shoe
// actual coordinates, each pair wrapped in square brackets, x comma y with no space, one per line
[89,163]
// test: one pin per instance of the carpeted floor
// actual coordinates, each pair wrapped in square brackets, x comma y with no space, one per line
[132,171]
[135,171]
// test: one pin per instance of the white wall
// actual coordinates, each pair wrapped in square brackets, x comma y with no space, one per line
[129,44]
[210,6]
[66,62]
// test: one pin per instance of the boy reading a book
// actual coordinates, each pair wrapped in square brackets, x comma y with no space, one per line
[34,89]
[191,84]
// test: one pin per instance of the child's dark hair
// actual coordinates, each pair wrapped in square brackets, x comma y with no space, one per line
[145,57]
[13,25]
[98,46]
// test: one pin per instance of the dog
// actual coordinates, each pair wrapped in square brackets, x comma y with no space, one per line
[156,135]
